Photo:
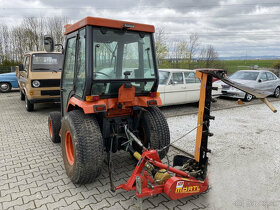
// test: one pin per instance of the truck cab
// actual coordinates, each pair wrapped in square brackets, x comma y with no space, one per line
[39,78]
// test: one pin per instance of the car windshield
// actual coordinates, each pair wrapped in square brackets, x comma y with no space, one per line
[47,62]
[245,75]
[120,54]
[163,77]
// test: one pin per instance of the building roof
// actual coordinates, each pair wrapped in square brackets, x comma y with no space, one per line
[102,22]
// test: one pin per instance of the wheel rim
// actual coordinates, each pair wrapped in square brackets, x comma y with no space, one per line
[69,148]
[277,92]
[249,97]
[50,128]
[4,86]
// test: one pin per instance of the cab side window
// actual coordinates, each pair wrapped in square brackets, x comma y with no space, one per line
[68,72]
[26,64]
[81,65]
[69,66]
[177,78]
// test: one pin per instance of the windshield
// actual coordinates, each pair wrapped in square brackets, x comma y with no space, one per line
[163,77]
[118,55]
[47,62]
[245,75]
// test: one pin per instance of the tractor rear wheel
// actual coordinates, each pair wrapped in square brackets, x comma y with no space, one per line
[82,147]
[153,131]
[54,121]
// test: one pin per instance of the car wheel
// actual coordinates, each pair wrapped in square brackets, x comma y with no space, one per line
[28,105]
[22,96]
[5,87]
[82,147]
[277,92]
[54,121]
[248,97]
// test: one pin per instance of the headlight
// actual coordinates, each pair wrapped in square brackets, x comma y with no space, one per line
[36,83]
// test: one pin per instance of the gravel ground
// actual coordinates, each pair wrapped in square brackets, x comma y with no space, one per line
[244,168]
[222,103]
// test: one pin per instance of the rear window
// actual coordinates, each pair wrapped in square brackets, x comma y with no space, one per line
[47,62]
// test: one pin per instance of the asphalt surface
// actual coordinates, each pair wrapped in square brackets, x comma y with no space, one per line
[32,174]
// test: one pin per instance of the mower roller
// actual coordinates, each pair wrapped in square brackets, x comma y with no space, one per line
[109,102]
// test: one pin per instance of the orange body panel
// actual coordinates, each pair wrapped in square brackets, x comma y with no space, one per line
[126,94]
[102,22]
[111,105]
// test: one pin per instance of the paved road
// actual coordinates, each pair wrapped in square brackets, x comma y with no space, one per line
[32,173]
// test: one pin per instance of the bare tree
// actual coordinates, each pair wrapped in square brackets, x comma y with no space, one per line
[160,43]
[208,57]
[193,46]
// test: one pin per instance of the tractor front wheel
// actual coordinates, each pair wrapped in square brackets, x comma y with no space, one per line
[82,147]
[54,121]
[153,131]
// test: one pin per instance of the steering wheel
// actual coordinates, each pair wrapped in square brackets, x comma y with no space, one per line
[98,72]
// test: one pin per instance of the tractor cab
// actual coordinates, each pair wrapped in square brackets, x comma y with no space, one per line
[101,55]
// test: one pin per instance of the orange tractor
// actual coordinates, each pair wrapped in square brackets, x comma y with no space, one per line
[109,81]
[109,102]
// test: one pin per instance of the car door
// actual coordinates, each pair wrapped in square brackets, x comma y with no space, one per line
[175,90]
[263,83]
[192,87]
[272,82]
[23,75]
[67,81]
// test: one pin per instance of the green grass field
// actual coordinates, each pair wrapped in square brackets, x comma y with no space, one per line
[230,66]
[234,65]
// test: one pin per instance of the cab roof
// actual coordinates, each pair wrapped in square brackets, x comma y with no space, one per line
[102,22]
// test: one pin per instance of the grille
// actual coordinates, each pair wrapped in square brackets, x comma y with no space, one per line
[48,82]
[50,92]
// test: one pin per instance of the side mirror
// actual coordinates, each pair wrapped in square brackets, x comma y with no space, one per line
[48,43]
[20,67]
[260,80]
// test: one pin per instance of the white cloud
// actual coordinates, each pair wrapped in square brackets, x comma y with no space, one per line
[231,26]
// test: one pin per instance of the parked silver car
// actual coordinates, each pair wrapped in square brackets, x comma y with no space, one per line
[259,79]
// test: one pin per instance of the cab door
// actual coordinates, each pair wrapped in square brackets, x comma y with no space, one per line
[23,75]
[175,90]
[68,73]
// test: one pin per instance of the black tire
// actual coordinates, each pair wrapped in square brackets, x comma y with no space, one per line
[87,146]
[54,121]
[5,87]
[153,131]
[22,96]
[248,97]
[277,92]
[28,105]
